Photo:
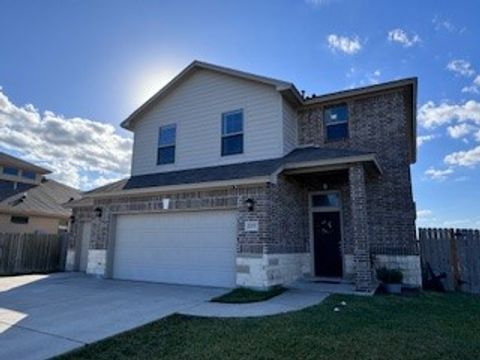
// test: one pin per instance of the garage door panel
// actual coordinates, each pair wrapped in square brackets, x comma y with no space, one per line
[163,258]
[187,248]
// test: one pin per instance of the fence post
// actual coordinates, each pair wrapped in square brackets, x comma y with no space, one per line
[454,258]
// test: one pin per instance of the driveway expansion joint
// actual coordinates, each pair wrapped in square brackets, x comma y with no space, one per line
[43,332]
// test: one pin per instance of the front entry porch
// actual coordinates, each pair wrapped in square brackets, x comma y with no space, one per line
[338,226]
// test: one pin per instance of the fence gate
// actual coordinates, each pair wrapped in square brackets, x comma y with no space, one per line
[454,252]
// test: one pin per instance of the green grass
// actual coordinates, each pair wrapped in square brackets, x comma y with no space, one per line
[425,326]
[244,295]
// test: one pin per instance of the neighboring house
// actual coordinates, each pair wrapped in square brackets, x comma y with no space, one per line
[239,180]
[30,203]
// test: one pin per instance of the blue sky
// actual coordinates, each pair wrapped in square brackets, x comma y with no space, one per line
[71,71]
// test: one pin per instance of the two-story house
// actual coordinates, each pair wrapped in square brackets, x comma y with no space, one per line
[29,202]
[239,180]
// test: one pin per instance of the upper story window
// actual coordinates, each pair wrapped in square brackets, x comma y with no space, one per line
[232,133]
[10,170]
[29,174]
[336,122]
[166,144]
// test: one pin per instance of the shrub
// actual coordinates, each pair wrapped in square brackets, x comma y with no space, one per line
[389,276]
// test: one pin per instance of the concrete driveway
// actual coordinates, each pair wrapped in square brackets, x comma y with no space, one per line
[45,315]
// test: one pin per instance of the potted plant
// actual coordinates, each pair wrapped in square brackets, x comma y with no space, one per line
[391,280]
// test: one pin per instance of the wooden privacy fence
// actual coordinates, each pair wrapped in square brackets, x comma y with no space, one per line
[455,253]
[31,253]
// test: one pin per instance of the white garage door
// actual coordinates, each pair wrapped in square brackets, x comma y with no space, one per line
[195,248]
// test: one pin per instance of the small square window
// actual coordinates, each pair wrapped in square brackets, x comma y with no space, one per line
[10,171]
[232,133]
[166,144]
[336,122]
[19,219]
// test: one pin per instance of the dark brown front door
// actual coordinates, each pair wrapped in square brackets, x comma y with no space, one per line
[326,244]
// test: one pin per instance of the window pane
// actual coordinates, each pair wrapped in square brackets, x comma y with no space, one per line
[6,185]
[232,145]
[28,174]
[167,135]
[336,114]
[338,131]
[326,200]
[10,170]
[166,155]
[232,123]
[19,219]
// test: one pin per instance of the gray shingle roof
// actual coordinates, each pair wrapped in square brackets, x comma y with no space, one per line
[226,172]
[45,198]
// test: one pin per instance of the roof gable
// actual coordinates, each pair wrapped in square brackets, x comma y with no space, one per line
[285,88]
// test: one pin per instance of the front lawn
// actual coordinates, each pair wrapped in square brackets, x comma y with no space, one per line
[424,326]
[244,295]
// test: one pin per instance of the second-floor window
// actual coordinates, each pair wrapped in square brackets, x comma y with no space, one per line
[10,170]
[166,144]
[232,133]
[29,174]
[336,122]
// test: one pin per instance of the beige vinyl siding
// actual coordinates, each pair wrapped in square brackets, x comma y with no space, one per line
[196,106]
[39,224]
[289,116]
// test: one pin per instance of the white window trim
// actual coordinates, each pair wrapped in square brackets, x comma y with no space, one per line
[224,136]
[163,146]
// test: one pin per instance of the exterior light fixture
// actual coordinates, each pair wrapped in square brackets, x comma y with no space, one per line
[250,204]
[98,212]
[165,203]
[72,219]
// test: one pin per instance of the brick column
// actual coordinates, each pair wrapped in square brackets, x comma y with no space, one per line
[361,251]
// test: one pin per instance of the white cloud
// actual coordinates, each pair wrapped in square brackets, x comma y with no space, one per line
[424,213]
[474,88]
[402,37]
[77,150]
[457,222]
[477,135]
[317,2]
[461,67]
[468,158]
[431,115]
[437,174]
[348,45]
[441,23]
[422,139]
[460,130]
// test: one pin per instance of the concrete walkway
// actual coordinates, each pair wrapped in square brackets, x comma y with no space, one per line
[291,300]
[46,315]
[299,295]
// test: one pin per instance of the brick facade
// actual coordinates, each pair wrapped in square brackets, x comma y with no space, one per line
[378,213]
[377,123]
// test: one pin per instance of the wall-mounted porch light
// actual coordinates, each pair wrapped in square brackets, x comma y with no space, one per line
[250,204]
[72,219]
[98,212]
[165,203]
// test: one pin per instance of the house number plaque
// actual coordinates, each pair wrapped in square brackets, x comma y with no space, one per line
[251,226]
